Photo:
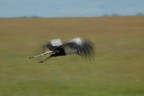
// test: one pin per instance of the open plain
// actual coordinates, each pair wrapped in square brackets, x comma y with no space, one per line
[117,68]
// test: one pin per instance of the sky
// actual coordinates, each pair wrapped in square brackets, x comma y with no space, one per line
[69,8]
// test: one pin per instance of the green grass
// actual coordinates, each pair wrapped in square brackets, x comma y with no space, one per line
[117,68]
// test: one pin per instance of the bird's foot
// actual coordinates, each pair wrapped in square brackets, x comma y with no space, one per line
[41,61]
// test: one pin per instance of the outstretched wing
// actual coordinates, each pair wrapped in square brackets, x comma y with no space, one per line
[79,46]
[54,43]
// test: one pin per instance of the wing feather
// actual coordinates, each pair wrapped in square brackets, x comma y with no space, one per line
[53,44]
[79,46]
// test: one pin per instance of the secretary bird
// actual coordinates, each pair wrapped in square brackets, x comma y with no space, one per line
[55,47]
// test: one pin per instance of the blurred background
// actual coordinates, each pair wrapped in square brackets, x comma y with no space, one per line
[70,8]
[115,27]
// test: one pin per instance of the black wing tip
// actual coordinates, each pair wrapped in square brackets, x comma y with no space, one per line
[86,49]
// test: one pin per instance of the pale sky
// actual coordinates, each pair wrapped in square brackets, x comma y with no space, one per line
[69,8]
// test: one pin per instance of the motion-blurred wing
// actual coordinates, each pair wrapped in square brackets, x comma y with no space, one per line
[79,46]
[53,44]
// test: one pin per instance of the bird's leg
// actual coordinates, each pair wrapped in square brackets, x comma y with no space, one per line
[42,61]
[42,54]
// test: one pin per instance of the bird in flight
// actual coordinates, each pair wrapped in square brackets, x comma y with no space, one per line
[55,47]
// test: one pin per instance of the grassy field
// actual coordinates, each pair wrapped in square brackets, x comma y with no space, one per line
[117,70]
